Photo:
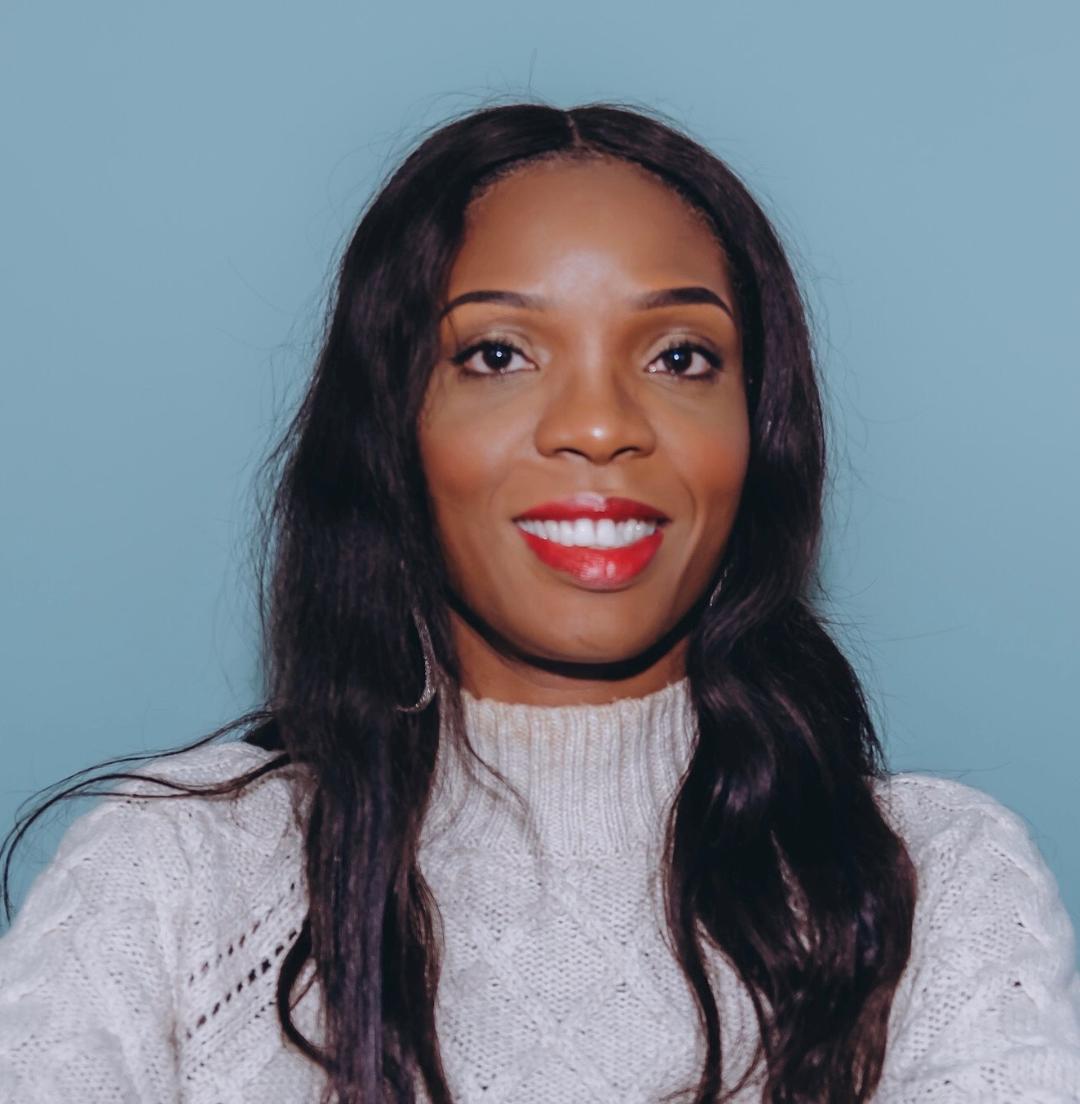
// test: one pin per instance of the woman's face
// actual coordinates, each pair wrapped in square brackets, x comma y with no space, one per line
[571,394]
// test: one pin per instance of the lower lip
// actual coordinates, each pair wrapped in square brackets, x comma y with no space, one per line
[597,568]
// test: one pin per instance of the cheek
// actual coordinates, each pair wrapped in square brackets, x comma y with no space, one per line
[463,455]
[714,460]
[465,460]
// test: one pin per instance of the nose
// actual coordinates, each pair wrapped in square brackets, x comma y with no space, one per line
[591,414]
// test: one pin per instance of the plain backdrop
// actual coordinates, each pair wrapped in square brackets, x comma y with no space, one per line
[178,180]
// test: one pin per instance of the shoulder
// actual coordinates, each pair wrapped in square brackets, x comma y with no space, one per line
[948,825]
[258,808]
[155,914]
[923,803]
[985,890]
[155,790]
[941,818]
[988,1007]
[134,840]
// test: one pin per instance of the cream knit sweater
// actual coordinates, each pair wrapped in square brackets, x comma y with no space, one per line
[141,966]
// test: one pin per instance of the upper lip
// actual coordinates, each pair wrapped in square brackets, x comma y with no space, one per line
[591,504]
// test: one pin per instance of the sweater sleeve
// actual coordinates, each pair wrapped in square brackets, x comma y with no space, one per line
[87,970]
[988,1010]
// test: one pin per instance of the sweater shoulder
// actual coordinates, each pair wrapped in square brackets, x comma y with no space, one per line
[159,783]
[927,811]
[205,843]
[227,833]
[201,865]
[201,765]
[148,943]
[974,856]
[988,1007]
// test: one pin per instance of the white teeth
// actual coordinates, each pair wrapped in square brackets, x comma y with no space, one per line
[587,533]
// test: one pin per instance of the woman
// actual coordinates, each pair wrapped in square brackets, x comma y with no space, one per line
[562,453]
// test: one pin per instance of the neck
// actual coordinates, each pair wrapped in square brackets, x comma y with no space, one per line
[492,668]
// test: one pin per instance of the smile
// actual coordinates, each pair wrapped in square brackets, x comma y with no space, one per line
[601,541]
[588,533]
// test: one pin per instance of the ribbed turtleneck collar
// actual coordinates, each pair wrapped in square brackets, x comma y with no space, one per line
[599,779]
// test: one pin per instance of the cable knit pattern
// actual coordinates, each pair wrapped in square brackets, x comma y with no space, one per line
[142,964]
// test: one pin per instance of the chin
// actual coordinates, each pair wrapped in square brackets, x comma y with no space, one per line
[613,650]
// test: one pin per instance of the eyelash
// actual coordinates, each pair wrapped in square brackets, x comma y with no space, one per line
[676,344]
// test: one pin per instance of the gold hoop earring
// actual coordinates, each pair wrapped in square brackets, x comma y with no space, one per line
[428,694]
[718,588]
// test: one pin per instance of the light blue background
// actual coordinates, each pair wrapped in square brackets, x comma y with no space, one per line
[178,180]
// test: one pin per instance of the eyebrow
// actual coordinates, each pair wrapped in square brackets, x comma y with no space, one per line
[668,297]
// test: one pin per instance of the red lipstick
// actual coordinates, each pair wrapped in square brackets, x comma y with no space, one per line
[597,568]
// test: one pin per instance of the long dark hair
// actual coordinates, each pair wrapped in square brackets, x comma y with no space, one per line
[776,854]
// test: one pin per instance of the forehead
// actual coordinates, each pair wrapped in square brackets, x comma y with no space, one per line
[558,222]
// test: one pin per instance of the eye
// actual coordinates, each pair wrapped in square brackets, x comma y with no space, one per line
[495,356]
[679,360]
